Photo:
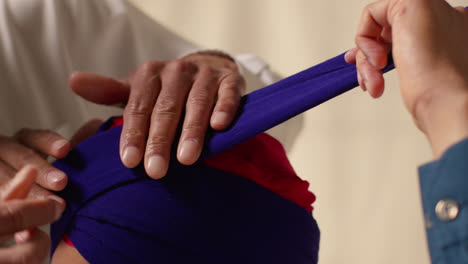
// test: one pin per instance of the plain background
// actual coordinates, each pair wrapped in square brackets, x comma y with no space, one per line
[360,155]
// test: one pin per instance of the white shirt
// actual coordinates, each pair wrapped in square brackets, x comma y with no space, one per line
[43,41]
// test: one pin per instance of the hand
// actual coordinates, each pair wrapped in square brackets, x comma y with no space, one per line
[32,147]
[207,87]
[21,218]
[427,39]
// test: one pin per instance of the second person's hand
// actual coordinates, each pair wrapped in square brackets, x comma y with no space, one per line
[427,39]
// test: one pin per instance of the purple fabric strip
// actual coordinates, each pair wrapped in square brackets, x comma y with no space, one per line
[276,103]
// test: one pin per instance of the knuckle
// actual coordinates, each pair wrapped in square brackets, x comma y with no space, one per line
[193,129]
[150,68]
[132,134]
[177,66]
[208,71]
[166,107]
[137,109]
[200,99]
[236,83]
[157,144]
[228,103]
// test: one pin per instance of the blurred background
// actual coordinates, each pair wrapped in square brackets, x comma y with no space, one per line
[360,155]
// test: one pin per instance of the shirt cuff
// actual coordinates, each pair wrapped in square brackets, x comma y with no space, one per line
[444,189]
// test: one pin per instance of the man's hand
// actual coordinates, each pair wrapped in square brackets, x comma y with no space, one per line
[207,87]
[21,218]
[427,39]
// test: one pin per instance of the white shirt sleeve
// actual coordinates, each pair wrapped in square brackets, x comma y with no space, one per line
[43,41]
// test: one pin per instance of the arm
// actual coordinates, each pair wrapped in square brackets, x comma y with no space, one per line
[45,41]
[427,41]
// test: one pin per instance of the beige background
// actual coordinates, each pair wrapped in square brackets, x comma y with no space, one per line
[360,155]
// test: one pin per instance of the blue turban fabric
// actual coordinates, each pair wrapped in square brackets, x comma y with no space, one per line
[196,214]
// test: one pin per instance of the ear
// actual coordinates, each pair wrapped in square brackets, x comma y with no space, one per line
[99,89]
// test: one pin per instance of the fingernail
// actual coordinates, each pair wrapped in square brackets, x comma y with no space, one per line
[130,156]
[56,178]
[188,151]
[23,236]
[157,167]
[219,118]
[59,205]
[60,145]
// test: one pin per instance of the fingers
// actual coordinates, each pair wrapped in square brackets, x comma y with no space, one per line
[350,56]
[20,185]
[370,78]
[18,215]
[44,141]
[17,156]
[369,39]
[198,110]
[372,46]
[145,89]
[99,89]
[177,81]
[7,173]
[229,96]
[32,247]
[87,130]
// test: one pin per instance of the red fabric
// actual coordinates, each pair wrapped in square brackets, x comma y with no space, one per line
[263,160]
[67,240]
[253,160]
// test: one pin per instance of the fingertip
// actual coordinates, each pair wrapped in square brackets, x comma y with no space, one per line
[23,236]
[220,120]
[131,156]
[350,56]
[376,92]
[58,204]
[60,148]
[189,152]
[156,167]
[56,180]
[375,85]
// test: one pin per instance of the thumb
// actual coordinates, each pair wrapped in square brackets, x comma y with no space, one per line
[99,89]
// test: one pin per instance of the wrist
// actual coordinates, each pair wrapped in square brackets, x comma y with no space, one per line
[444,120]
[215,57]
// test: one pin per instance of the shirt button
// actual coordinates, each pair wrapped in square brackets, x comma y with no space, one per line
[447,210]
